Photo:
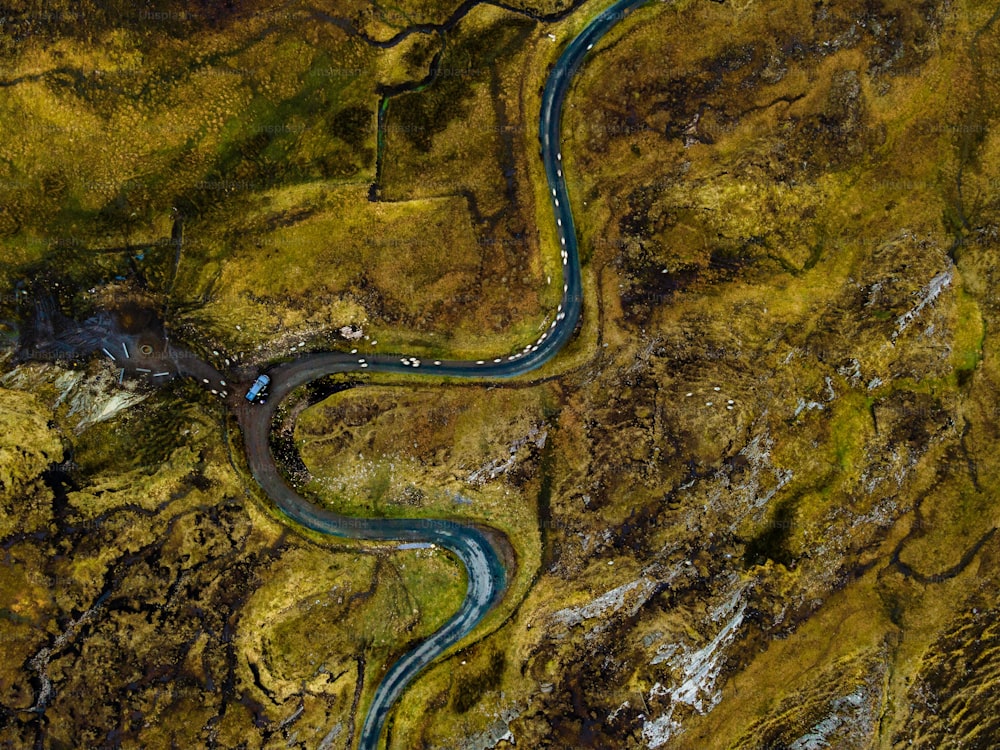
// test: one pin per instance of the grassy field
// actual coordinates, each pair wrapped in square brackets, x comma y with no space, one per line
[410,451]
[145,531]
[753,499]
[265,145]
[758,304]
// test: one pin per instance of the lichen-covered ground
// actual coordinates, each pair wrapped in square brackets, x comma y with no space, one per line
[754,505]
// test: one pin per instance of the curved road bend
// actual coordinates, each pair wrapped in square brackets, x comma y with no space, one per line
[486,574]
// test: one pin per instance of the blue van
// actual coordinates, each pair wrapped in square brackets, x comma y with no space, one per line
[258,387]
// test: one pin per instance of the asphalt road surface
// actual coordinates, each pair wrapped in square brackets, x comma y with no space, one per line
[486,574]
[143,351]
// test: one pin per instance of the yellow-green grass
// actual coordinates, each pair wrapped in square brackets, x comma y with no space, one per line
[323,611]
[765,210]
[436,138]
[793,312]
[105,150]
[793,318]
[431,581]
[264,85]
[413,593]
[879,617]
[412,450]
[410,60]
[409,452]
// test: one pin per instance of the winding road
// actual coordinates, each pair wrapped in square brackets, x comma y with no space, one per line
[486,574]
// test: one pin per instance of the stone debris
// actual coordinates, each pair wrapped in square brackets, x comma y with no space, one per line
[751,493]
[497,732]
[804,405]
[327,742]
[697,671]
[628,597]
[930,293]
[91,399]
[843,711]
[351,333]
[497,467]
